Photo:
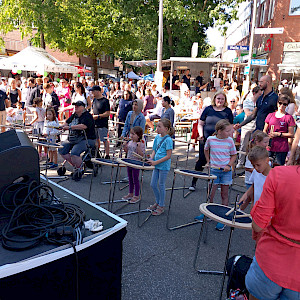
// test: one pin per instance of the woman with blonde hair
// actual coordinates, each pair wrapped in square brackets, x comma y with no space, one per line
[217,111]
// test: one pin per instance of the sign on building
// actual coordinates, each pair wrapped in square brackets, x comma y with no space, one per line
[263,30]
[291,47]
[259,62]
[238,47]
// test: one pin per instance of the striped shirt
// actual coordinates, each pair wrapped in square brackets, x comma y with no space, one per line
[220,151]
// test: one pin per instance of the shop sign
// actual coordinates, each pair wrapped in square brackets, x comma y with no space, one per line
[238,47]
[291,47]
[259,62]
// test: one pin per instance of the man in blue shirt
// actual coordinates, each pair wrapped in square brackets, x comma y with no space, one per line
[265,104]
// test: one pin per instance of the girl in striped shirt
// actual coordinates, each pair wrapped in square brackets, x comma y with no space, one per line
[220,151]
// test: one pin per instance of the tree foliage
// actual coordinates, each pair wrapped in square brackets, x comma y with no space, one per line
[185,22]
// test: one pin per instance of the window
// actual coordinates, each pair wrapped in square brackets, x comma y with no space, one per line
[294,8]
[271,9]
[262,14]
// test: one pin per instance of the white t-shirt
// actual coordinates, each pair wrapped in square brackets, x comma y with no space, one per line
[258,179]
[248,165]
[77,97]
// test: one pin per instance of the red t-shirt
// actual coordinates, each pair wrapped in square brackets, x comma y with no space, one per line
[280,144]
[278,206]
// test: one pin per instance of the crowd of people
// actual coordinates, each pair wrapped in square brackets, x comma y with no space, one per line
[262,125]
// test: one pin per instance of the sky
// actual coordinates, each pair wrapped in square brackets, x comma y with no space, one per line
[214,37]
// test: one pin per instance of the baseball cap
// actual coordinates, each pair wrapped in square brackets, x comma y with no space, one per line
[96,88]
[79,103]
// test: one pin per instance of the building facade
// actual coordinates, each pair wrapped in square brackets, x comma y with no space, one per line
[13,43]
[281,52]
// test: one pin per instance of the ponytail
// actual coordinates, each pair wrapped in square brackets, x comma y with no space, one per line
[167,124]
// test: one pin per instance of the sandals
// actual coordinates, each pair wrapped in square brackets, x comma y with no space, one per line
[158,211]
[153,206]
[127,197]
[134,199]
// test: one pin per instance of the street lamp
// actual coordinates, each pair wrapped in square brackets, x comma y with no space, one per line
[159,73]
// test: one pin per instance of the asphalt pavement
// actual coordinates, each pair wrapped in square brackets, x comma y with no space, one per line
[157,262]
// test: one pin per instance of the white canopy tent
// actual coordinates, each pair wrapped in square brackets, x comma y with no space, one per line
[35,59]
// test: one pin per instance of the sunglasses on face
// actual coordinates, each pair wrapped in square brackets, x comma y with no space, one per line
[281,103]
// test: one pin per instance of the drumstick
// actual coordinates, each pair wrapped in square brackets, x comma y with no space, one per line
[139,156]
[53,127]
[230,211]
[243,216]
[272,129]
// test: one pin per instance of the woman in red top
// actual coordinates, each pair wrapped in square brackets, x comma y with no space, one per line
[280,127]
[274,272]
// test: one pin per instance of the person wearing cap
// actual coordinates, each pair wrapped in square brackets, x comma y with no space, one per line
[101,112]
[134,117]
[79,122]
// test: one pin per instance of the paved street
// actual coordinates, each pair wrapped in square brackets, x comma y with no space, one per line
[158,263]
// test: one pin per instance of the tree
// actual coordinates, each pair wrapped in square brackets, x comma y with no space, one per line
[47,17]
[185,22]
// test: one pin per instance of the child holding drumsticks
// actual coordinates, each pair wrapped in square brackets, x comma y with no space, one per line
[135,145]
[161,159]
[220,152]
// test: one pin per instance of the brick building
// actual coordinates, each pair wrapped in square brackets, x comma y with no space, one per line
[13,43]
[282,51]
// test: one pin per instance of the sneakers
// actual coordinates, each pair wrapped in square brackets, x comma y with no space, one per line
[239,166]
[192,188]
[220,226]
[107,156]
[200,218]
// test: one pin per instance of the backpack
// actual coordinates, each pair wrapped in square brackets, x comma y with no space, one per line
[236,268]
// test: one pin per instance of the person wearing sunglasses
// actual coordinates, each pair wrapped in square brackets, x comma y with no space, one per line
[279,126]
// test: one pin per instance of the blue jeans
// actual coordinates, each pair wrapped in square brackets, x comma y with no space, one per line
[158,184]
[261,287]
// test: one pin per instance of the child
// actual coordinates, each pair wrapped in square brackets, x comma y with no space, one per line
[19,113]
[220,151]
[38,121]
[51,133]
[137,145]
[259,138]
[11,116]
[161,159]
[259,158]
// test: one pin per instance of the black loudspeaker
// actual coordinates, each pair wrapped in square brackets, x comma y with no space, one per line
[19,160]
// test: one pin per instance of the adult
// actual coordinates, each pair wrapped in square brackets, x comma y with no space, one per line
[292,108]
[274,272]
[148,101]
[280,127]
[3,86]
[79,122]
[32,92]
[125,106]
[156,112]
[295,147]
[134,117]
[14,94]
[80,95]
[64,96]
[248,107]
[101,112]
[217,111]
[186,78]
[4,103]
[175,77]
[200,85]
[168,111]
[183,88]
[265,104]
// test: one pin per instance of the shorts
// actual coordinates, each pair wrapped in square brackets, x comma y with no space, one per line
[76,149]
[102,134]
[2,117]
[224,178]
[154,116]
[261,287]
